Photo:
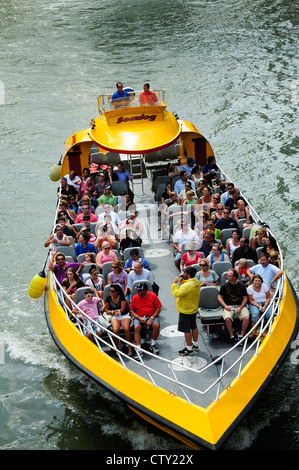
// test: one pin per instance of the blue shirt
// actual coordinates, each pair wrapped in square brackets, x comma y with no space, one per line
[117,95]
[266,273]
[129,263]
[88,249]
[123,176]
[180,186]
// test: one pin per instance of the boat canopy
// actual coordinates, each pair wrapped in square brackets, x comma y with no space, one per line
[136,127]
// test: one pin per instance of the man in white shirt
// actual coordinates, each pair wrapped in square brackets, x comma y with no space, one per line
[185,234]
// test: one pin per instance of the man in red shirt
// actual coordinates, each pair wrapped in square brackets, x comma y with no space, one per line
[145,309]
[147,98]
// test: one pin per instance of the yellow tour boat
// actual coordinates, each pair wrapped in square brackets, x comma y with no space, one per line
[201,398]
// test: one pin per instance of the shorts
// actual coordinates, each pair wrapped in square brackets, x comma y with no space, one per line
[90,327]
[187,322]
[230,313]
[178,257]
[121,317]
[137,322]
[256,313]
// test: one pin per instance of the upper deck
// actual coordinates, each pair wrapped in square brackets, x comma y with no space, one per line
[136,99]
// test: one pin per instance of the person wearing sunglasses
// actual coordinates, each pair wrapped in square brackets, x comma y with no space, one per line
[106,254]
[206,276]
[90,314]
[116,305]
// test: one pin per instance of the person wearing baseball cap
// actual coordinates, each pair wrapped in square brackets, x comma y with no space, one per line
[145,309]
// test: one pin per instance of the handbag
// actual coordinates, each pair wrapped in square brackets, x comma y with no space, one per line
[107,317]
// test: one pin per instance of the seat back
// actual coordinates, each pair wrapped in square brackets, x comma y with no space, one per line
[208,299]
[221,266]
[67,251]
[118,187]
[112,158]
[226,234]
[80,293]
[128,250]
[106,270]
[135,283]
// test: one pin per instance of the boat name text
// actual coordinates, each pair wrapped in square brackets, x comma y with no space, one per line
[142,117]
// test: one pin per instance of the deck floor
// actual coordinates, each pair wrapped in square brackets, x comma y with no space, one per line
[159,253]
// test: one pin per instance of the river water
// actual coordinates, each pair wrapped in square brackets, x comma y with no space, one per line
[231,67]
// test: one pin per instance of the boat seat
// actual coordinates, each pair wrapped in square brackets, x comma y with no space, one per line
[158,193]
[112,158]
[197,247]
[167,153]
[246,232]
[107,268]
[160,180]
[250,263]
[87,267]
[135,283]
[259,251]
[118,187]
[67,251]
[98,158]
[174,179]
[209,309]
[127,252]
[81,258]
[241,223]
[106,291]
[92,227]
[80,293]
[226,234]
[221,266]
[223,278]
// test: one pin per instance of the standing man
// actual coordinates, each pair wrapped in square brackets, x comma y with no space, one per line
[145,308]
[187,295]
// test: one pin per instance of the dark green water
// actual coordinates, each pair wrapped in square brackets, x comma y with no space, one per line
[231,67]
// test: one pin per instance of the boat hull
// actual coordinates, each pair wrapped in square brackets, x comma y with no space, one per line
[197,427]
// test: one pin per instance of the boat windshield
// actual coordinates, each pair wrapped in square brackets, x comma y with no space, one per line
[130,98]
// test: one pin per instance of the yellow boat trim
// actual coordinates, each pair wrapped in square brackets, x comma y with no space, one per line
[208,425]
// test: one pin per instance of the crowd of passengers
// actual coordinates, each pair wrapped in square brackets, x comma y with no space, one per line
[200,206]
[89,218]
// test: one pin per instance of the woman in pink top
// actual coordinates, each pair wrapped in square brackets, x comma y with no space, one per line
[190,257]
[105,255]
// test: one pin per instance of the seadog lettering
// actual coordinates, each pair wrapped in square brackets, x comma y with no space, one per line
[142,117]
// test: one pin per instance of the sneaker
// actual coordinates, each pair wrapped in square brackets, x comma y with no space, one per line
[195,348]
[233,340]
[154,348]
[186,352]
[239,340]
[138,356]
